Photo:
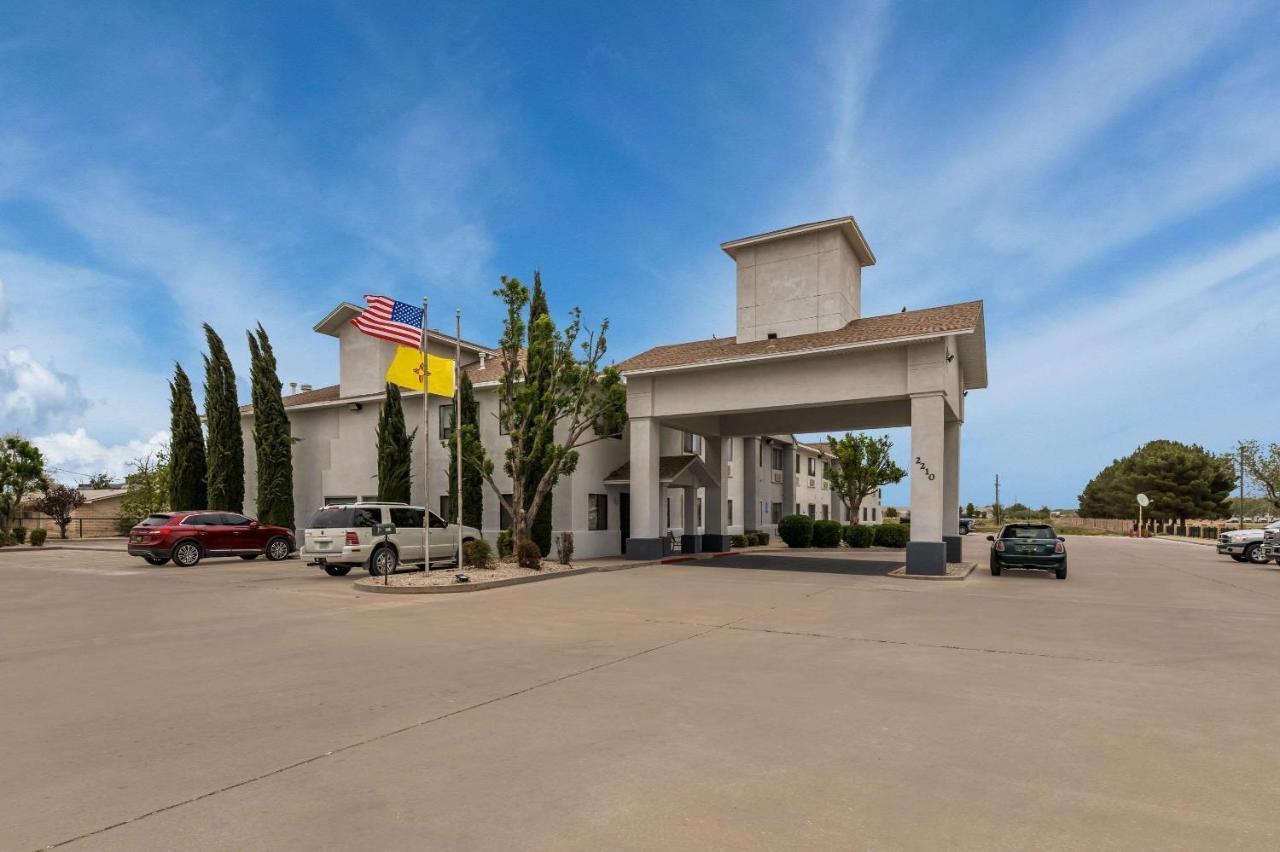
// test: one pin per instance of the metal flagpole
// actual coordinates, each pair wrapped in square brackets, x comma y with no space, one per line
[457,416]
[426,445]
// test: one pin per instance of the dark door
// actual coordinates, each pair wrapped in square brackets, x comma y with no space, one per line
[243,534]
[624,517]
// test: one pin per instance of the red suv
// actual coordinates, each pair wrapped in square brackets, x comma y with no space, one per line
[188,537]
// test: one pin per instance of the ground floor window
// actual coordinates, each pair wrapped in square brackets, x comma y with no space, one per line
[446,422]
[777,511]
[812,513]
[729,512]
[826,512]
[597,512]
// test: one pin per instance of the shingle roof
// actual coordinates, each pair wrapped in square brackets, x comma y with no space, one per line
[492,370]
[867,330]
[329,393]
[669,467]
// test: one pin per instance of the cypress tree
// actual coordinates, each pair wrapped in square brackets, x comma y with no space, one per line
[538,381]
[222,413]
[186,446]
[395,450]
[472,479]
[273,445]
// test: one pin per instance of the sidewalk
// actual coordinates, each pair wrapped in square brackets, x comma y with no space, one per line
[115,544]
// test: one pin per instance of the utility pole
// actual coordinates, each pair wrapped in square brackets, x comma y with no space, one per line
[998,510]
[1241,486]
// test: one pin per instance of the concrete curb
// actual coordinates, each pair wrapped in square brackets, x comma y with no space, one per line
[967,568]
[370,584]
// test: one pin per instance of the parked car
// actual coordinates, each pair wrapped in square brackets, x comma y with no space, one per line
[188,537]
[966,525]
[340,537]
[1271,541]
[1028,546]
[1247,545]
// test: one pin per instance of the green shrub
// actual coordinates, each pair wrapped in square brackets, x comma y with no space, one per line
[738,540]
[38,537]
[504,543]
[762,538]
[826,533]
[529,555]
[477,554]
[20,534]
[4,539]
[859,535]
[892,535]
[796,530]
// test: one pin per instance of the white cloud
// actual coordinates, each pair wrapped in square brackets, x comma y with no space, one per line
[34,396]
[75,454]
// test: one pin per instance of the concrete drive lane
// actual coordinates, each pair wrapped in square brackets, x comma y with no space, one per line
[264,705]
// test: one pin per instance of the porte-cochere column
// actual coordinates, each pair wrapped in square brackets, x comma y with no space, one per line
[646,541]
[926,553]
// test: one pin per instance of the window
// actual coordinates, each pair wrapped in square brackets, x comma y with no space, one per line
[597,512]
[812,513]
[437,523]
[865,515]
[797,508]
[729,513]
[504,517]
[813,467]
[668,512]
[202,521]
[699,511]
[692,443]
[873,514]
[826,512]
[503,427]
[761,462]
[236,520]
[338,518]
[446,421]
[777,511]
[407,517]
[777,458]
[797,462]
[446,511]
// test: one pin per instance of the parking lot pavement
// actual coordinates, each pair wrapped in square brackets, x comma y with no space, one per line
[266,705]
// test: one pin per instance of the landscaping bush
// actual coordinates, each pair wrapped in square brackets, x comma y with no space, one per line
[826,533]
[738,540]
[892,535]
[529,555]
[20,534]
[38,537]
[796,530]
[504,544]
[4,539]
[859,535]
[477,554]
[564,547]
[761,538]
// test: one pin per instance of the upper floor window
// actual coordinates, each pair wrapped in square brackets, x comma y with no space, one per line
[777,458]
[446,422]
[813,466]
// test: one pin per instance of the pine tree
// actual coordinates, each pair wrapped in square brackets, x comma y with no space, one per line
[541,356]
[472,479]
[273,445]
[186,447]
[395,450]
[222,413]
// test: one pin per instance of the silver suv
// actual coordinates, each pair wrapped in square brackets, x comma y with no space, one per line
[341,537]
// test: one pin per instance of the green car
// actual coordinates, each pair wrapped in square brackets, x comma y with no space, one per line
[1028,546]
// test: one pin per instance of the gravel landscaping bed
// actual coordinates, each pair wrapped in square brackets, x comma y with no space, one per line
[445,576]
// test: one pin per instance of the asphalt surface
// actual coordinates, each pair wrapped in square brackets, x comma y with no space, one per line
[693,706]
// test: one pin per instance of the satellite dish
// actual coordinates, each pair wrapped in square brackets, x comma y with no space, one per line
[1144,501]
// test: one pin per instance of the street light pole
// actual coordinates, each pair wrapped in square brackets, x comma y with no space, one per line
[1242,486]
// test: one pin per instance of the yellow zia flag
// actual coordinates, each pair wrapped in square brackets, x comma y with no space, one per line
[406,371]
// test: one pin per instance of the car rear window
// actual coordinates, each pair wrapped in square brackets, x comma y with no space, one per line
[344,517]
[1038,531]
[154,520]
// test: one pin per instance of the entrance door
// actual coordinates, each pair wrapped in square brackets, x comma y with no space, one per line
[624,517]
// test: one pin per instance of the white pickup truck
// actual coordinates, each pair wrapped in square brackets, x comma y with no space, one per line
[1249,545]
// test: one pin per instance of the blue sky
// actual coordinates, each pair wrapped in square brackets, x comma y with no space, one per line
[1106,176]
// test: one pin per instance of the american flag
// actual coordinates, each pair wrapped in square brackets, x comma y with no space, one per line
[388,319]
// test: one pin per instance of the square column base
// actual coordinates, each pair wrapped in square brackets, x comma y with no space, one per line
[955,553]
[923,557]
[716,543]
[648,548]
[690,544]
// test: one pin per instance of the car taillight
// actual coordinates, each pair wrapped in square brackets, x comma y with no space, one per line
[999,544]
[352,538]
[1059,547]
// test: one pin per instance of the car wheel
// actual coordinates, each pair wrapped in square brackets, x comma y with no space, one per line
[995,568]
[247,556]
[277,549]
[1256,554]
[383,562]
[1061,571]
[337,570]
[187,554]
[156,560]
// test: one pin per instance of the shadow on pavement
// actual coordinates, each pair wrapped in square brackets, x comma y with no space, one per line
[817,565]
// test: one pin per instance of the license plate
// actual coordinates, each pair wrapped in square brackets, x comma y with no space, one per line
[321,545]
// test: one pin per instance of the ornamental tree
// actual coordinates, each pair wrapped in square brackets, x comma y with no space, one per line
[187,484]
[862,465]
[60,503]
[147,488]
[222,414]
[547,419]
[21,473]
[272,442]
[395,450]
